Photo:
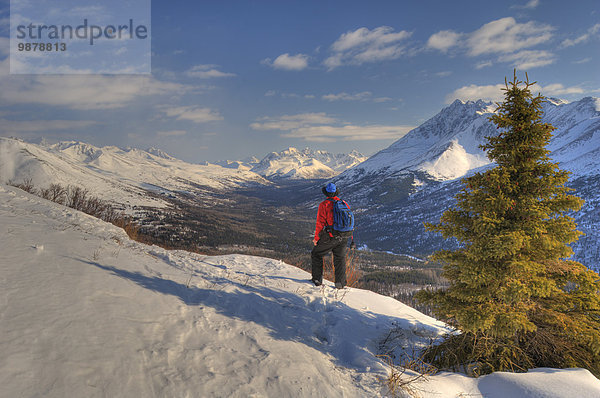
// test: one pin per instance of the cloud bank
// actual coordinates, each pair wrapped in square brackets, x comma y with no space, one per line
[320,127]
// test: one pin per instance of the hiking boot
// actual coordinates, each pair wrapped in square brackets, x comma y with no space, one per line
[339,285]
[316,282]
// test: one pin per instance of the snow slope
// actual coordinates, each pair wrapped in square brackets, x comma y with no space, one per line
[119,175]
[86,312]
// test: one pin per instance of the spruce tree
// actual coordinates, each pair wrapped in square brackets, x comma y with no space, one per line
[514,298]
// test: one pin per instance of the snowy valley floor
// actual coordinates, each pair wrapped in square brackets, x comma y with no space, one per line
[85,312]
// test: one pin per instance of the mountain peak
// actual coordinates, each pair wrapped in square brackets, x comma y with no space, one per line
[160,153]
[305,164]
[467,107]
[556,101]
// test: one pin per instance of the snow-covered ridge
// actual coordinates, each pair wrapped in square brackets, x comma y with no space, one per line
[87,312]
[446,146]
[119,175]
[292,163]
[160,153]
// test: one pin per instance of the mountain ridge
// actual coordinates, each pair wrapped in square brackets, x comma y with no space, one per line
[120,175]
[292,163]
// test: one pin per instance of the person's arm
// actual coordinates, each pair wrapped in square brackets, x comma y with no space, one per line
[321,222]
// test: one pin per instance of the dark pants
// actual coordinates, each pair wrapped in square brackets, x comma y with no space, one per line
[336,245]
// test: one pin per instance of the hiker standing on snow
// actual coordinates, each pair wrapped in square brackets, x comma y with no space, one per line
[334,226]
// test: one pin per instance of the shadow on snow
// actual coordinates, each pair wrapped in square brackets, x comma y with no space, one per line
[328,326]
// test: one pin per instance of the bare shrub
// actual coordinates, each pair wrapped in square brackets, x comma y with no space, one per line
[131,228]
[401,380]
[55,193]
[353,273]
[79,198]
[76,197]
[26,185]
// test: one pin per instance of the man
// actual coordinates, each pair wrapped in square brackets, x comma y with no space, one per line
[327,239]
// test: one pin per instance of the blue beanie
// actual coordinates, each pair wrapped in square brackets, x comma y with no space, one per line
[330,190]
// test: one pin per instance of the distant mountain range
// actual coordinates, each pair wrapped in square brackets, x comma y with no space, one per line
[295,164]
[120,175]
[124,175]
[415,179]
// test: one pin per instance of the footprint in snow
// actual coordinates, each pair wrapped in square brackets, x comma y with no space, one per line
[322,334]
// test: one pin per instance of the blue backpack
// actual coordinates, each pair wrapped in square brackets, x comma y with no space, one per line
[343,218]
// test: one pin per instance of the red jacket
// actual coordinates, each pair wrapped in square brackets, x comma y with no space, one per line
[324,216]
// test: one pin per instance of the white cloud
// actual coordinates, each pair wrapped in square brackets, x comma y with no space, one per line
[529,59]
[347,97]
[192,113]
[363,45]
[349,133]
[207,72]
[171,133]
[289,122]
[288,62]
[531,4]
[28,126]
[556,89]
[319,127]
[445,73]
[591,32]
[474,92]
[483,64]
[362,96]
[83,92]
[333,61]
[444,40]
[273,93]
[582,61]
[502,36]
[506,35]
[343,96]
[495,93]
[382,99]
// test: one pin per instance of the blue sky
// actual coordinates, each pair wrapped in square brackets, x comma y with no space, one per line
[232,79]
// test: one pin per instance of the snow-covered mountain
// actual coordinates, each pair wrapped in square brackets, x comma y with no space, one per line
[414,180]
[446,146]
[160,153]
[295,164]
[86,312]
[119,175]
